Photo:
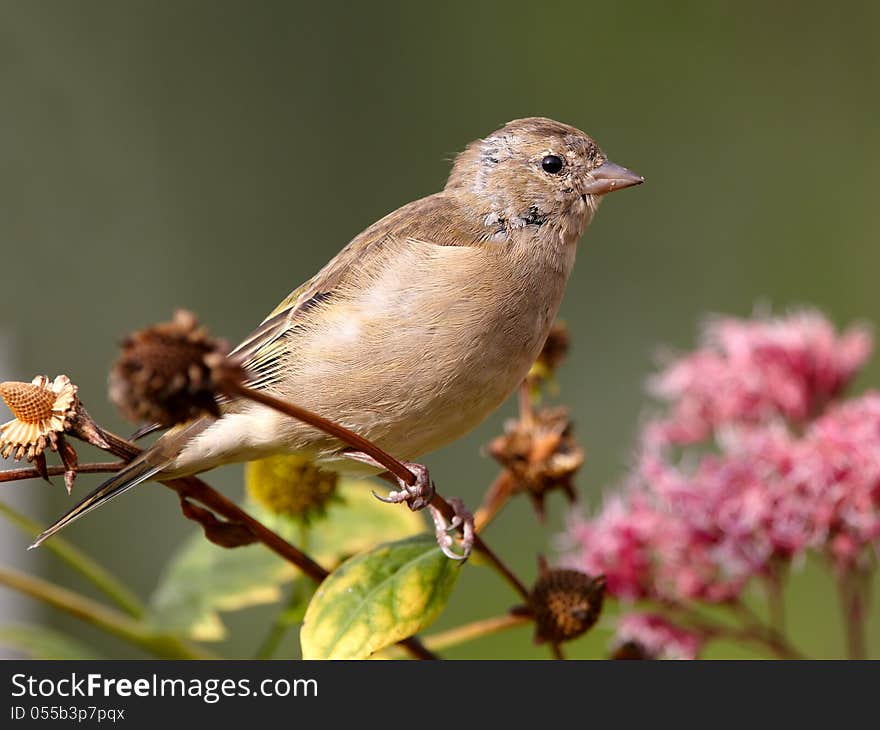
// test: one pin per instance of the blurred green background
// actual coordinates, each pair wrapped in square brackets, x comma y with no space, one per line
[213,155]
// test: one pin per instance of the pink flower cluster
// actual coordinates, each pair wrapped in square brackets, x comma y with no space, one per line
[776,468]
[751,371]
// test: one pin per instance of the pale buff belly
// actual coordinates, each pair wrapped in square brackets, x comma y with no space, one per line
[411,371]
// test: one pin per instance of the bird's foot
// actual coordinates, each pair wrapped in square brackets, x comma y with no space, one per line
[417,495]
[455,532]
[456,536]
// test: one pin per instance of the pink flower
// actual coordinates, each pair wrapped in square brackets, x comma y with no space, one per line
[620,543]
[701,525]
[840,465]
[751,371]
[653,637]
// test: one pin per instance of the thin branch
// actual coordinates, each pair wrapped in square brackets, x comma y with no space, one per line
[346,435]
[776,602]
[853,591]
[269,645]
[12,475]
[481,547]
[474,630]
[96,574]
[194,488]
[115,622]
[234,387]
[497,496]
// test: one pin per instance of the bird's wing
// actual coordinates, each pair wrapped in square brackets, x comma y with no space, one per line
[262,352]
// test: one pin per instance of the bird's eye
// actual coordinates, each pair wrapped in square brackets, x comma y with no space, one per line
[552,164]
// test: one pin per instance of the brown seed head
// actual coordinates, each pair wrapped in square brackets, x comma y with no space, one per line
[565,604]
[540,453]
[42,410]
[168,373]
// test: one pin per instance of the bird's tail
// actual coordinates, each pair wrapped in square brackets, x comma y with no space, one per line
[133,474]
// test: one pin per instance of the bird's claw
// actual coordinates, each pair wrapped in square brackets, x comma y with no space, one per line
[418,495]
[463,522]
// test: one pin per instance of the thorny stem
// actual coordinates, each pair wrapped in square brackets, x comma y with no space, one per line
[108,619]
[13,475]
[81,563]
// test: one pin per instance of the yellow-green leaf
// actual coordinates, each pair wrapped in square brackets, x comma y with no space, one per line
[378,598]
[203,579]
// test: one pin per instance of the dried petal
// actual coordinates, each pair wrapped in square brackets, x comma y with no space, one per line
[42,411]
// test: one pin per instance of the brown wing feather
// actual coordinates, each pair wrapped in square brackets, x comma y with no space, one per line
[261,353]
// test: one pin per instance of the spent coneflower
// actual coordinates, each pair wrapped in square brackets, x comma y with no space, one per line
[565,603]
[168,373]
[43,410]
[540,454]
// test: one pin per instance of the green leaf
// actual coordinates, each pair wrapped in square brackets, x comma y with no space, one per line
[378,598]
[38,642]
[203,579]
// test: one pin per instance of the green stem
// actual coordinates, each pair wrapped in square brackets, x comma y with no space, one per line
[853,591]
[775,587]
[280,625]
[751,628]
[96,574]
[108,619]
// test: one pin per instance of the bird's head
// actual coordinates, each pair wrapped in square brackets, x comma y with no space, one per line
[534,172]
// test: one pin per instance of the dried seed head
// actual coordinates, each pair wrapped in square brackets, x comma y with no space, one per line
[629,650]
[290,485]
[541,454]
[168,373]
[565,604]
[42,411]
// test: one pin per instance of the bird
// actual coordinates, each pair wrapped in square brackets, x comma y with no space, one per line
[420,327]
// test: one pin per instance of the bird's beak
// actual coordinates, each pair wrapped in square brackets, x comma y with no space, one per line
[608,177]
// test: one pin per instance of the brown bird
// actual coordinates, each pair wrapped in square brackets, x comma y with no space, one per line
[421,326]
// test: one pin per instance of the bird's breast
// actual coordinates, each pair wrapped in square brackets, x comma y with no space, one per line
[429,348]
